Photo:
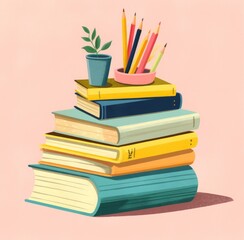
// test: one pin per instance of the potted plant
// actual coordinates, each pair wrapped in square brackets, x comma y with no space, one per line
[98,64]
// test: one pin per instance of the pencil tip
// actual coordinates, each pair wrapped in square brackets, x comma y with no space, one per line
[135,14]
[142,19]
[123,9]
[165,45]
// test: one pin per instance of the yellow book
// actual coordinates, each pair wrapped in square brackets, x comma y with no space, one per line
[118,154]
[67,161]
[115,90]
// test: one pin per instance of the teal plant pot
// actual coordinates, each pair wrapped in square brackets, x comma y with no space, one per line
[98,66]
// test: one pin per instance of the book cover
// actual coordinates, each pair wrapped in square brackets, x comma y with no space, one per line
[125,130]
[104,109]
[94,166]
[94,195]
[115,90]
[118,154]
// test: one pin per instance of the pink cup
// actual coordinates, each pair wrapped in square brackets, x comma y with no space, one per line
[144,78]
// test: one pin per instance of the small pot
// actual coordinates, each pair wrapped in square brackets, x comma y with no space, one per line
[98,68]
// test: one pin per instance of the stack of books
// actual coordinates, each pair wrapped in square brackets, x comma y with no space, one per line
[121,148]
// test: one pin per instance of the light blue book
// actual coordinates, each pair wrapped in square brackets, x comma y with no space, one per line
[125,130]
[94,195]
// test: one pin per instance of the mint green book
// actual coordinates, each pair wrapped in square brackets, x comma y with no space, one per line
[95,195]
[125,130]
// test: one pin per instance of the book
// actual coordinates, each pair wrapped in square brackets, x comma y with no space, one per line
[115,90]
[125,130]
[104,109]
[118,154]
[94,195]
[109,169]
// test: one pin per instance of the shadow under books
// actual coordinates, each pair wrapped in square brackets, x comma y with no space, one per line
[201,200]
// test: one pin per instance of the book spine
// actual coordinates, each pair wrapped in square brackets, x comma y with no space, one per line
[132,92]
[175,185]
[142,106]
[163,128]
[171,160]
[157,147]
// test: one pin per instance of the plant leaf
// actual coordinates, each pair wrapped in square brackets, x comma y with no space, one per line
[98,42]
[86,39]
[90,49]
[94,33]
[86,29]
[106,45]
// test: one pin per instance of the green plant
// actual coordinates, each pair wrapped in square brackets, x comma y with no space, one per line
[95,41]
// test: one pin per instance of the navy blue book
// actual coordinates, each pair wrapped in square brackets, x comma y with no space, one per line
[104,109]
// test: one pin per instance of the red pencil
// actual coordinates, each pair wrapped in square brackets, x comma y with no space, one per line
[148,50]
[132,31]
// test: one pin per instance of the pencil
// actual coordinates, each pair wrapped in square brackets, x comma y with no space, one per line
[133,50]
[139,54]
[160,55]
[124,39]
[131,36]
[148,50]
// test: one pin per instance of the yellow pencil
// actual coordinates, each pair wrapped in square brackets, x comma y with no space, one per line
[139,54]
[124,39]
[160,55]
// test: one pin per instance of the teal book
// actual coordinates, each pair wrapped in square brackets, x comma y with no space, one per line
[95,195]
[125,130]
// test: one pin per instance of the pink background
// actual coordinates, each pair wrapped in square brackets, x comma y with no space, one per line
[40,56]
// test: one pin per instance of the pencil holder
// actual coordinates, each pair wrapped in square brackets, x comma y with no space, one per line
[144,78]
